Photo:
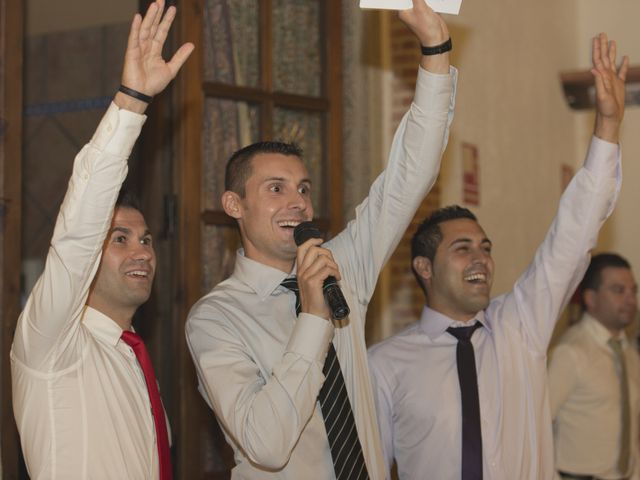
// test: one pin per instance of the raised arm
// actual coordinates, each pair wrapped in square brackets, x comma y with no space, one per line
[560,262]
[53,310]
[413,166]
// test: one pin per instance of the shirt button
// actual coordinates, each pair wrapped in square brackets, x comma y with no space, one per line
[109,128]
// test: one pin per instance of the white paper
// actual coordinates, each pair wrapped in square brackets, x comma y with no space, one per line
[440,6]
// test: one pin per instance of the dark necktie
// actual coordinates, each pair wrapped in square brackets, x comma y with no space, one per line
[162,437]
[467,376]
[625,408]
[346,451]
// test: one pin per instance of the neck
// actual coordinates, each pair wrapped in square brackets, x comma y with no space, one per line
[122,317]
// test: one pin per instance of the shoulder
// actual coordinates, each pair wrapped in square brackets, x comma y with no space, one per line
[388,350]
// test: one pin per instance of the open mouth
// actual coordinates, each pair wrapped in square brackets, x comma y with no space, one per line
[476,278]
[290,224]
[138,274]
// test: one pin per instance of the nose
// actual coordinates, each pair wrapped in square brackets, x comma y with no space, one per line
[297,201]
[142,252]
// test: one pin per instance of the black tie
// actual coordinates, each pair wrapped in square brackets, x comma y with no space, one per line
[471,432]
[346,451]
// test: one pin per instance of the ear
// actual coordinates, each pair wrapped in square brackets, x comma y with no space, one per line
[231,203]
[423,267]
[589,298]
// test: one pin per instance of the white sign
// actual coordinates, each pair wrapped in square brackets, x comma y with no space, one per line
[440,6]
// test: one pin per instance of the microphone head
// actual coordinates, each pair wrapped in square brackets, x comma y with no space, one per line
[304,231]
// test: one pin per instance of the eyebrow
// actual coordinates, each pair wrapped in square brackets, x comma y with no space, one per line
[468,240]
[282,179]
[127,231]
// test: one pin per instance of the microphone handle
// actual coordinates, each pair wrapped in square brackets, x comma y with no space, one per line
[335,299]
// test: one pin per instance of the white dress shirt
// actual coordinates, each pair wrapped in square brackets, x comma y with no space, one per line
[415,373]
[584,393]
[79,396]
[260,369]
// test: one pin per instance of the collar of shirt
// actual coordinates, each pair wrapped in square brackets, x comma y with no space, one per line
[435,324]
[261,278]
[599,332]
[102,326]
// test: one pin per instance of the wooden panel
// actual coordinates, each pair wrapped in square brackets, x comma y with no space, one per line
[11,45]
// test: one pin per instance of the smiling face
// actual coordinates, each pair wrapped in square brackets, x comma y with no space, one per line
[614,303]
[127,268]
[277,198]
[458,280]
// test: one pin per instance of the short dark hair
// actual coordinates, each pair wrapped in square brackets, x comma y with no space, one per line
[128,199]
[425,241]
[429,235]
[238,168]
[593,276]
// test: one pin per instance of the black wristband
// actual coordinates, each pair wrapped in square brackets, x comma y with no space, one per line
[135,94]
[438,49]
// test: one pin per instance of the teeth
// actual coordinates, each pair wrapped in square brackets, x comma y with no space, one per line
[138,273]
[288,223]
[476,276]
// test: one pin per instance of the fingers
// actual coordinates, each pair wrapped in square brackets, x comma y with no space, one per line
[612,54]
[147,22]
[315,261]
[178,59]
[162,30]
[134,33]
[157,19]
[604,50]
[622,73]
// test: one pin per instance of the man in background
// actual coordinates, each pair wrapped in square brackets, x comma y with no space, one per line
[594,379]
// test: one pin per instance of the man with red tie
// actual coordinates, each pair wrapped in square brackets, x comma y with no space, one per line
[85,397]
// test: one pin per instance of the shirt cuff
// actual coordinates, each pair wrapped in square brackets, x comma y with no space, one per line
[603,158]
[433,90]
[311,337]
[118,131]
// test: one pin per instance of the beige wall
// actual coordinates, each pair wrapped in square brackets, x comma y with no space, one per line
[622,231]
[510,105]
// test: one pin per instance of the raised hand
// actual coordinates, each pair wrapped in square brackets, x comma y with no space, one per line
[431,30]
[609,88]
[144,68]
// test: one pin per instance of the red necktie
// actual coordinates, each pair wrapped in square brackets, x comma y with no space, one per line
[162,437]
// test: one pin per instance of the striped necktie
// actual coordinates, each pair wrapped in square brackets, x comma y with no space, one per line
[625,408]
[346,451]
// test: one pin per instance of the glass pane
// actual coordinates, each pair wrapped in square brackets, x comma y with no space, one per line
[297,52]
[219,245]
[228,126]
[307,130]
[231,42]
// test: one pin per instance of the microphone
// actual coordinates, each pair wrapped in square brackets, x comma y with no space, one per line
[332,293]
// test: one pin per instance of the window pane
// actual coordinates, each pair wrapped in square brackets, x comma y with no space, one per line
[297,52]
[307,130]
[228,126]
[231,45]
[219,245]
